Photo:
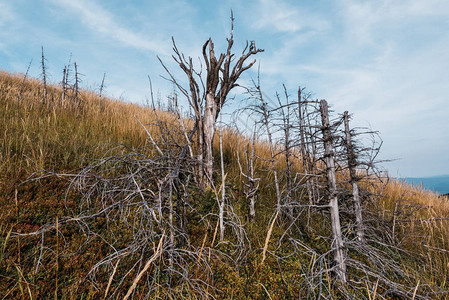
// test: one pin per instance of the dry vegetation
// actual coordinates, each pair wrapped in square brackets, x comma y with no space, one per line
[410,224]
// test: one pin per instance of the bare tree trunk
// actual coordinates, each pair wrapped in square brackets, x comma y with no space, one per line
[223,185]
[287,149]
[102,85]
[19,96]
[311,152]
[252,188]
[64,87]
[200,150]
[304,154]
[44,76]
[185,198]
[101,91]
[170,220]
[76,83]
[352,164]
[339,252]
[209,118]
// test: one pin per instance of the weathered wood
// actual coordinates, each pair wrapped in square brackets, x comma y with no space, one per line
[304,154]
[64,87]
[221,78]
[352,165]
[44,76]
[338,244]
[252,188]
[288,154]
[223,185]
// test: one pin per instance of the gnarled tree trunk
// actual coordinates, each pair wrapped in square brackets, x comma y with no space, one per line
[338,245]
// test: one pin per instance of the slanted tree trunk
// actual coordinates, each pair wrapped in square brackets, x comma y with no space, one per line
[352,165]
[19,96]
[101,92]
[338,244]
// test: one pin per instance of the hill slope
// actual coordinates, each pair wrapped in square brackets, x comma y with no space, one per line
[62,234]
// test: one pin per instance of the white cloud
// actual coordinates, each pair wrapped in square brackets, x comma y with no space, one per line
[6,14]
[283,17]
[385,61]
[102,21]
[367,21]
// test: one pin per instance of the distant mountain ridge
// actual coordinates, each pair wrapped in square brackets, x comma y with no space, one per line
[438,184]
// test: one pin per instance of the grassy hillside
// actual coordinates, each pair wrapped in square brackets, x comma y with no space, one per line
[44,145]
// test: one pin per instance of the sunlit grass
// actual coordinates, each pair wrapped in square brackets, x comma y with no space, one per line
[64,137]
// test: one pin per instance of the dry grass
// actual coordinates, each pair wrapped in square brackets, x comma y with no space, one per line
[36,136]
[65,137]
[420,219]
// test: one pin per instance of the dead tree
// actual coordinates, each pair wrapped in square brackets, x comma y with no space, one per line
[304,149]
[352,165]
[44,76]
[287,145]
[101,91]
[339,251]
[221,78]
[221,203]
[77,81]
[64,84]
[19,96]
[253,183]
[102,85]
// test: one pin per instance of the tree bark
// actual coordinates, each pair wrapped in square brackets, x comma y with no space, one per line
[251,183]
[209,119]
[339,252]
[304,152]
[287,149]
[223,185]
[44,76]
[352,165]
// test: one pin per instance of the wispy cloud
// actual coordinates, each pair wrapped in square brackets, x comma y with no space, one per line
[104,22]
[283,17]
[6,14]
[385,61]
[7,18]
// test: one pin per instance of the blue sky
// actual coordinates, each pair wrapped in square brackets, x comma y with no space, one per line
[387,62]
